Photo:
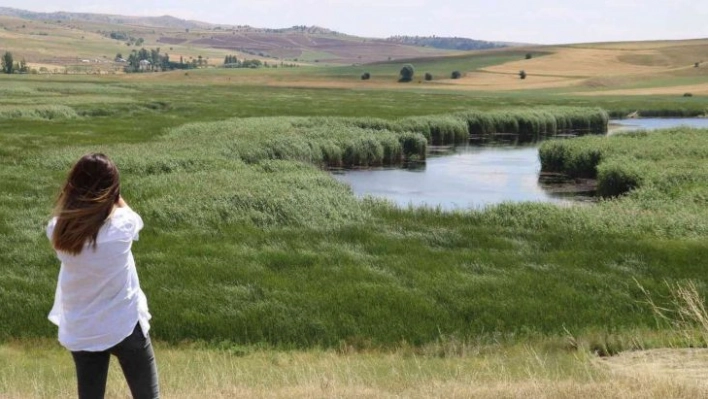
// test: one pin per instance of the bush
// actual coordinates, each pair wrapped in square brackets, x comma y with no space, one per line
[522,74]
[366,76]
[688,94]
[428,76]
[407,73]
[529,56]
[456,74]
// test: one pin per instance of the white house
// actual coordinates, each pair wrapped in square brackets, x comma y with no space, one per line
[144,65]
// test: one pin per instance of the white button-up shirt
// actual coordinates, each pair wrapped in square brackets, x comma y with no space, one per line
[98,299]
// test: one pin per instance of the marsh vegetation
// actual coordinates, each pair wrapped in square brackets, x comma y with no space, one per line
[250,243]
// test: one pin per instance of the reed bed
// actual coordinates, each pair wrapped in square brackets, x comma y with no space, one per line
[248,241]
[42,112]
[538,122]
[666,162]
[455,128]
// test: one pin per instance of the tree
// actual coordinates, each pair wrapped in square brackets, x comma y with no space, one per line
[522,74]
[23,68]
[366,76]
[529,56]
[428,76]
[155,57]
[143,54]
[407,73]
[456,74]
[8,63]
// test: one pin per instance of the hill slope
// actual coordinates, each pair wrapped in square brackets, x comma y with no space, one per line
[164,21]
[60,38]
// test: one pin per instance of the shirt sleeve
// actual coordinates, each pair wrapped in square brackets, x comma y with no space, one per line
[127,225]
[50,228]
[138,225]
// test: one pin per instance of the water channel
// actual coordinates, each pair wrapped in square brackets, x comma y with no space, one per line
[481,174]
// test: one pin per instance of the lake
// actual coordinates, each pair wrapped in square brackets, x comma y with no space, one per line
[478,175]
[625,125]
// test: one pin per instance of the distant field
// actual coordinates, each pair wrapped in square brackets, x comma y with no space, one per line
[67,42]
[630,68]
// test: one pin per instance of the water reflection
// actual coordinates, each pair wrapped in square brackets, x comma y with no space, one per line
[465,177]
[490,170]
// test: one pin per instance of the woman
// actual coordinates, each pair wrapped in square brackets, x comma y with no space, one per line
[99,306]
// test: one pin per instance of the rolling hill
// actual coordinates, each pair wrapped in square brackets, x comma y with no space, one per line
[88,43]
[62,38]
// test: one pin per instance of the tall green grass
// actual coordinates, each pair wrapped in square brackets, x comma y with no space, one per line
[246,246]
[669,162]
[455,128]
[248,241]
[538,122]
[42,112]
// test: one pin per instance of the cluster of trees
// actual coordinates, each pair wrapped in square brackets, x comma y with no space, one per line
[230,61]
[10,66]
[449,43]
[129,40]
[144,60]
[408,71]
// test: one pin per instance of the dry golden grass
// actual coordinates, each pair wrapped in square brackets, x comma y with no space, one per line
[696,89]
[504,81]
[578,63]
[567,67]
[644,45]
[686,366]
[43,370]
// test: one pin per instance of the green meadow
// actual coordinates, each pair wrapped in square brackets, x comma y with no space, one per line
[249,241]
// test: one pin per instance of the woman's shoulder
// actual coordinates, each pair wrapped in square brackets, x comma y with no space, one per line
[124,219]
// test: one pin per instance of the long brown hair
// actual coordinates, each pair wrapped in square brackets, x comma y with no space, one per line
[86,200]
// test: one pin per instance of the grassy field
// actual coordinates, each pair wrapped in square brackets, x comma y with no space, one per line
[251,250]
[39,369]
[297,230]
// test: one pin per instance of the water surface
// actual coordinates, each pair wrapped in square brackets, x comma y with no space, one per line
[469,177]
[478,175]
[625,125]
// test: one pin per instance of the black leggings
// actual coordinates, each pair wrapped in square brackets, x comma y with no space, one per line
[136,359]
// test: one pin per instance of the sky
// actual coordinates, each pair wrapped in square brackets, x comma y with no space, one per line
[539,21]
